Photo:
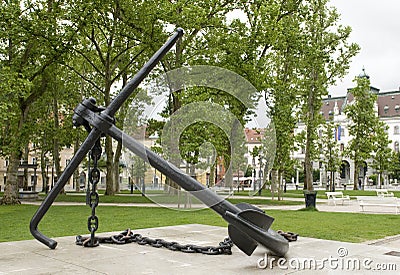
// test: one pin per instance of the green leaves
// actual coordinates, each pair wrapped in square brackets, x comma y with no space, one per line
[364,126]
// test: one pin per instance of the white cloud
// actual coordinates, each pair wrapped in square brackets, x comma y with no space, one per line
[375,27]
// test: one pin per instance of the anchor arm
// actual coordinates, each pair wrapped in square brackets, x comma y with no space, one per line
[95,134]
[68,172]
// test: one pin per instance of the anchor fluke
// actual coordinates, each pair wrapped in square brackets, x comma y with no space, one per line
[250,227]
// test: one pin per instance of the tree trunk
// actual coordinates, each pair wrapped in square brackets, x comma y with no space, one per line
[355,176]
[280,182]
[355,172]
[76,176]
[212,175]
[11,188]
[43,170]
[109,167]
[229,177]
[26,161]
[274,182]
[56,143]
[117,157]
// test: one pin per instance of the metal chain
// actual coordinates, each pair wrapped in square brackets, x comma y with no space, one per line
[290,236]
[128,236]
[93,196]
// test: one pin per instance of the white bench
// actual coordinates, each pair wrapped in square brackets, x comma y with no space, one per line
[379,201]
[384,193]
[28,195]
[223,191]
[337,197]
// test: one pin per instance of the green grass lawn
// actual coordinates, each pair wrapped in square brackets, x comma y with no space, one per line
[164,199]
[320,193]
[72,220]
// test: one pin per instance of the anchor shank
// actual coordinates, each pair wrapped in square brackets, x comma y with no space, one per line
[208,197]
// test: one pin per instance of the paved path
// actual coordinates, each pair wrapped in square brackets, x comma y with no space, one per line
[306,256]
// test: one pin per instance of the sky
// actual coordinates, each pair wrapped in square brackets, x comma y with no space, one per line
[376,29]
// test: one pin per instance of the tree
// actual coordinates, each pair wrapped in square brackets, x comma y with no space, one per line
[34,38]
[331,155]
[395,165]
[113,44]
[51,117]
[363,122]
[138,169]
[325,56]
[209,40]
[284,95]
[381,160]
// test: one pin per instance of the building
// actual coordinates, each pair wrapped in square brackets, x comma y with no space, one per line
[387,108]
[30,169]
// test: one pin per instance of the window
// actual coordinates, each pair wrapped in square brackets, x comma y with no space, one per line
[341,147]
[386,109]
[341,132]
[396,146]
[396,130]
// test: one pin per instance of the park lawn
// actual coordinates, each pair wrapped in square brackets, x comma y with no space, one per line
[72,220]
[320,193]
[164,199]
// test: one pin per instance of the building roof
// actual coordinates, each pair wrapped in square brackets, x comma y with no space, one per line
[388,103]
[328,105]
[253,135]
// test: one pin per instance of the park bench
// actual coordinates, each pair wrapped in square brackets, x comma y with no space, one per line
[384,193]
[335,197]
[223,191]
[28,195]
[379,201]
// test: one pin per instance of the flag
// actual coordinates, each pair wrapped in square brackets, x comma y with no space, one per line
[337,133]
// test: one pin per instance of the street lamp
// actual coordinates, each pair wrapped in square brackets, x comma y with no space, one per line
[254,173]
[45,179]
[34,174]
[260,174]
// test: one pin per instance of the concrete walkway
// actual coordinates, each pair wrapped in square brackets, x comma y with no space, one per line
[306,256]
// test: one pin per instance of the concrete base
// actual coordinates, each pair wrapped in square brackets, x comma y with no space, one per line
[306,256]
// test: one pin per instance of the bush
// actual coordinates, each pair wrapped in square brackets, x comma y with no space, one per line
[374,178]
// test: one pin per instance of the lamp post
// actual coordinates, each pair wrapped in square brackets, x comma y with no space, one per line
[45,179]
[260,174]
[143,183]
[34,175]
[52,175]
[254,173]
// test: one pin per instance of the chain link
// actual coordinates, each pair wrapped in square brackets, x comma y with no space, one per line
[290,236]
[93,196]
[128,236]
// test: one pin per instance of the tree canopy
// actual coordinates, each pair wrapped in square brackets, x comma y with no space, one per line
[54,53]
